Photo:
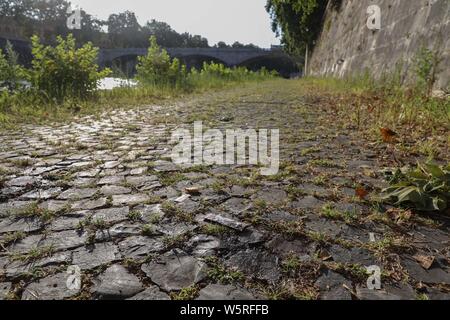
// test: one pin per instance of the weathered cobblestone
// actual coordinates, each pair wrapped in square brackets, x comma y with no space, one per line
[141,227]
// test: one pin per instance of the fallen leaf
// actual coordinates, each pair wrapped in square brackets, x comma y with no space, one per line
[361,193]
[425,261]
[399,216]
[324,255]
[192,191]
[387,134]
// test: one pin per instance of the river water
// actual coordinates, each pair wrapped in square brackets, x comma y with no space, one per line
[105,84]
[111,83]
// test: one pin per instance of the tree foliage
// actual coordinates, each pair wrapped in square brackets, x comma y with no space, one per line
[298,22]
[122,27]
[47,18]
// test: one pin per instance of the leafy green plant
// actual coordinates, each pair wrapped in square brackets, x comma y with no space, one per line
[64,71]
[156,68]
[425,188]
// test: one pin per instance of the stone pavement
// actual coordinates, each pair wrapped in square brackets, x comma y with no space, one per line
[101,194]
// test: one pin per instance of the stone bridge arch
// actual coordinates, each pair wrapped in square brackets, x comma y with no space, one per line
[197,60]
[229,56]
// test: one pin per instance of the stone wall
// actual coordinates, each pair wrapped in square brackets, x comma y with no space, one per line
[347,46]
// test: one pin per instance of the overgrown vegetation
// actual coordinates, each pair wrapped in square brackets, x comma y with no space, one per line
[65,78]
[416,120]
[157,69]
[215,75]
[367,104]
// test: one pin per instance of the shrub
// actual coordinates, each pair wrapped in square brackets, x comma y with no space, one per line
[217,75]
[64,71]
[157,69]
[11,73]
[425,188]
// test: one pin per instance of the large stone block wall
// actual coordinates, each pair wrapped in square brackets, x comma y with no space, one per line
[347,46]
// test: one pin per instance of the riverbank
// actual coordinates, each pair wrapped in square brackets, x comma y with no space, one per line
[355,103]
[24,108]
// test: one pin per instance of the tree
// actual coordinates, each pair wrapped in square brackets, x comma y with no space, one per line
[197,42]
[15,8]
[251,46]
[91,30]
[47,19]
[123,29]
[10,71]
[122,22]
[28,17]
[222,45]
[165,35]
[48,10]
[169,38]
[238,45]
[298,22]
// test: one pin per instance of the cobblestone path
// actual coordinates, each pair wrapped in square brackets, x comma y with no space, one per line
[99,200]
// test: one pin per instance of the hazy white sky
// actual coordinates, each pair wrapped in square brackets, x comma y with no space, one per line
[245,21]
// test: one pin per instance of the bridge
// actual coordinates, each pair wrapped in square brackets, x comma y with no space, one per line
[272,59]
[126,58]
[228,56]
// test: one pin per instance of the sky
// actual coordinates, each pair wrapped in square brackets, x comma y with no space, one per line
[245,21]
